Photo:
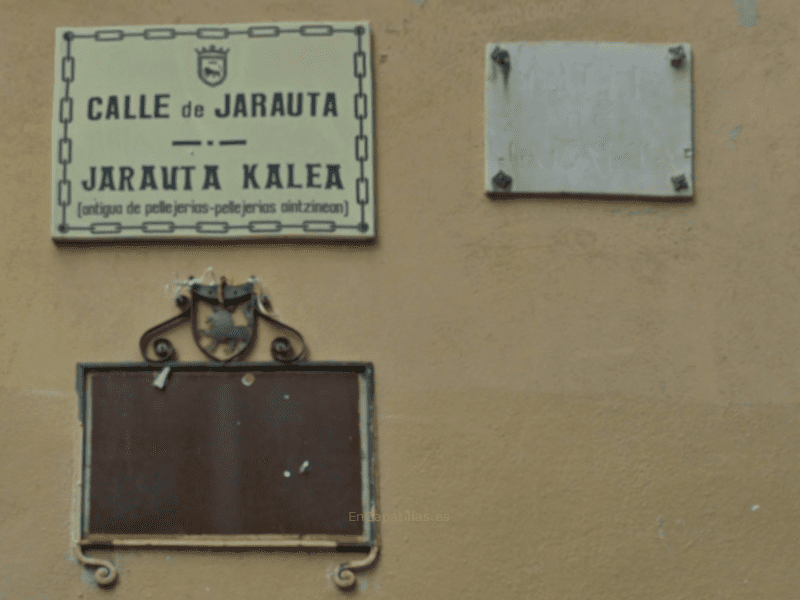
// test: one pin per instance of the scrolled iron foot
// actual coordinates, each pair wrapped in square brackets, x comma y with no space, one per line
[344,576]
[282,348]
[106,573]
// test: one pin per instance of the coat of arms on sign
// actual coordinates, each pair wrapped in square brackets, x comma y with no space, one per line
[212,65]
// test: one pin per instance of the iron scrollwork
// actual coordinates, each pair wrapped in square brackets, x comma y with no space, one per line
[224,300]
[106,573]
[224,321]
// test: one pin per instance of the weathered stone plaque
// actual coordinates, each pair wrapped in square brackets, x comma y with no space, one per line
[213,132]
[589,118]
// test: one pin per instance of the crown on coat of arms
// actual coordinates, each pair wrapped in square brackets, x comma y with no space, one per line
[212,52]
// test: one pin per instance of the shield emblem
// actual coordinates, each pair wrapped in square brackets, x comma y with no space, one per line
[212,65]
[224,326]
[223,321]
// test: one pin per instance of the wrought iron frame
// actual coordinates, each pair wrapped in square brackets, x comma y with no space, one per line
[286,359]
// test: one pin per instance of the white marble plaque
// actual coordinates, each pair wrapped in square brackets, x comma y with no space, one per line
[589,118]
[212,132]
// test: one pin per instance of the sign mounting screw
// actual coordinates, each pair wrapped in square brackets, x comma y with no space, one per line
[680,183]
[502,181]
[502,58]
[678,56]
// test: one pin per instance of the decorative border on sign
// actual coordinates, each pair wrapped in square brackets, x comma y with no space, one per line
[360,102]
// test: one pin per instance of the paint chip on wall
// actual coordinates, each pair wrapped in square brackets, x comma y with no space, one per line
[748,12]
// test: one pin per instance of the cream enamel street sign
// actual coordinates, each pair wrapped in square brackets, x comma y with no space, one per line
[213,132]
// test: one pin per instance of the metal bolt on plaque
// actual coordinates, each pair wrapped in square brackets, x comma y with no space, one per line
[226,454]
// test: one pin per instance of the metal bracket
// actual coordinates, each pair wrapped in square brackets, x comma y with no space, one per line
[344,576]
[106,574]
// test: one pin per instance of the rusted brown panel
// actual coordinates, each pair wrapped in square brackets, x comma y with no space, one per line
[208,455]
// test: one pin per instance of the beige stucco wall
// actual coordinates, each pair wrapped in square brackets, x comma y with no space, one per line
[601,395]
